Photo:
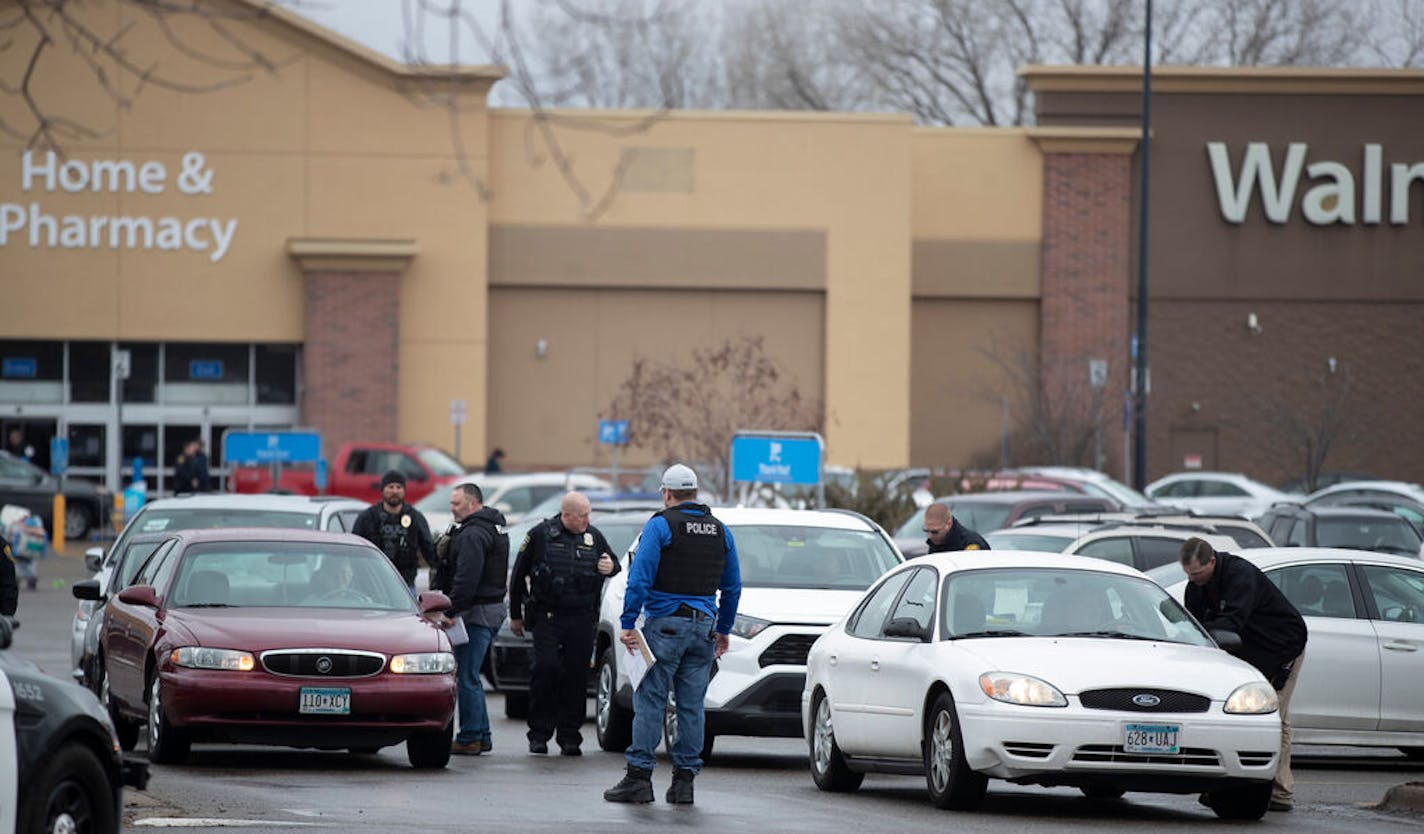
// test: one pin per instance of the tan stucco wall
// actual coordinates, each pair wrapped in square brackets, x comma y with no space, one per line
[846,176]
[329,144]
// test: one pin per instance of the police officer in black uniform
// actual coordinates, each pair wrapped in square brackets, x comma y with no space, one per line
[9,584]
[563,562]
[397,528]
[946,533]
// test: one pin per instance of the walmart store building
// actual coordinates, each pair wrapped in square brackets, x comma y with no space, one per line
[330,244]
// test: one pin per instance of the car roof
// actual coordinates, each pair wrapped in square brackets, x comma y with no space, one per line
[253,501]
[1127,531]
[267,534]
[1337,511]
[1268,557]
[970,559]
[1399,487]
[1067,529]
[1014,496]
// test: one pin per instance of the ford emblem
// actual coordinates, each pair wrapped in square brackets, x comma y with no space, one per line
[1144,700]
[323,665]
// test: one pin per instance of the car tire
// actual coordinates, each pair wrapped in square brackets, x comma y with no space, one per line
[1102,792]
[951,782]
[166,744]
[613,724]
[70,793]
[430,749]
[124,727]
[670,731]
[516,705]
[78,521]
[1246,802]
[828,764]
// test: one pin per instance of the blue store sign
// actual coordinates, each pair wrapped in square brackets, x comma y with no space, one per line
[776,459]
[271,447]
[205,369]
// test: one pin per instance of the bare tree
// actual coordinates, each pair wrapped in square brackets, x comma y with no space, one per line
[689,411]
[1052,407]
[1315,413]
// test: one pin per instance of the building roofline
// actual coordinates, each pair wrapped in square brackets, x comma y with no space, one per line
[1225,80]
[487,73]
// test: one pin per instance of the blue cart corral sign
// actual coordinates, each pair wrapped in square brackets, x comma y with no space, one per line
[613,432]
[777,459]
[272,447]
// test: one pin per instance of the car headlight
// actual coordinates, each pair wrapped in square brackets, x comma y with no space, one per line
[428,663]
[1256,698]
[200,657]
[1024,690]
[748,627]
[86,610]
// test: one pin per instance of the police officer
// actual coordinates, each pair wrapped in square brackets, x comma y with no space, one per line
[562,562]
[946,533]
[397,528]
[9,585]
[685,557]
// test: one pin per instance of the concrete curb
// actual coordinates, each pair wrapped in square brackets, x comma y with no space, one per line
[1406,797]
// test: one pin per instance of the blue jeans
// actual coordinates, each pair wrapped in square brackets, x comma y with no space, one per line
[470,692]
[684,649]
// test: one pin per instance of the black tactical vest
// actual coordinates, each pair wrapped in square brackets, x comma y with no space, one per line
[496,569]
[567,576]
[397,541]
[691,565]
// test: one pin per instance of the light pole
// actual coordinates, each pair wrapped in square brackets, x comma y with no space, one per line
[1139,340]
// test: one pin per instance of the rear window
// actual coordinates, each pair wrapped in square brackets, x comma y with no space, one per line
[1008,540]
[1393,535]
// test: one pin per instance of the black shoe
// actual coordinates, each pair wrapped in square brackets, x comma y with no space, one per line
[570,750]
[680,791]
[1280,805]
[539,748]
[635,786]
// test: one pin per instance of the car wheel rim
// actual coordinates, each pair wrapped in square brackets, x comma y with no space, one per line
[69,810]
[823,738]
[941,751]
[604,697]
[155,715]
[75,523]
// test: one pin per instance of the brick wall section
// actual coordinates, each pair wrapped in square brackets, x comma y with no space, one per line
[1246,386]
[1085,298]
[349,358]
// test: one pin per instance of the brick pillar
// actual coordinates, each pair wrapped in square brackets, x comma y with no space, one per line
[350,357]
[1084,312]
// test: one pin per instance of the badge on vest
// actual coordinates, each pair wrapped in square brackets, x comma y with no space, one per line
[405,520]
[588,539]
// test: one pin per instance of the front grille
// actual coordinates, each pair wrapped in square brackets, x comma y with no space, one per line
[1028,749]
[323,663]
[1255,758]
[788,650]
[1168,700]
[1114,754]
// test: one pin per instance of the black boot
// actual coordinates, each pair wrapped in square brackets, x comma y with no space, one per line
[680,791]
[635,786]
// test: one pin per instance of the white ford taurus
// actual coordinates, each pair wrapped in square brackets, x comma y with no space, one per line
[1039,669]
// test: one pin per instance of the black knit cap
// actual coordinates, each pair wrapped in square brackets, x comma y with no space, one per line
[392,477]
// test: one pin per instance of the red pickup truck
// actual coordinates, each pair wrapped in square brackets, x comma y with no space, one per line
[356,472]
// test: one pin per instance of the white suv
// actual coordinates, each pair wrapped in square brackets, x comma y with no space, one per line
[801,571]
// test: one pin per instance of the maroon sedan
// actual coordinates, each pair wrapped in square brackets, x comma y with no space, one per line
[285,637]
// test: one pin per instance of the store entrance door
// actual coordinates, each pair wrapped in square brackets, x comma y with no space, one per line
[29,438]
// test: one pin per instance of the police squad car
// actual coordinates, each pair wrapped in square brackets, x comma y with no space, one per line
[60,768]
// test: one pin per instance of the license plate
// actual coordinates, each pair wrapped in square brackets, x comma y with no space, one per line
[318,701]
[1151,738]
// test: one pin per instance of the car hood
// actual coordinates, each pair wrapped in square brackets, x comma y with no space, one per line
[1074,664]
[797,605]
[261,629]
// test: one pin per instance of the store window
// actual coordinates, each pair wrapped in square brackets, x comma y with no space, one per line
[142,384]
[277,374]
[89,372]
[86,445]
[141,442]
[31,371]
[205,374]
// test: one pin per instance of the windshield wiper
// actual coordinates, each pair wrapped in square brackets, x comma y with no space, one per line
[1003,633]
[1119,635]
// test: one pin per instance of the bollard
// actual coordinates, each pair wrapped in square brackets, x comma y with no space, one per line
[118,518]
[56,538]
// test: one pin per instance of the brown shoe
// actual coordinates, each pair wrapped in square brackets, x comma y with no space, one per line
[473,748]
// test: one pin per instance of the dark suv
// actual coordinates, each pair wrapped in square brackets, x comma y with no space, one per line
[1357,528]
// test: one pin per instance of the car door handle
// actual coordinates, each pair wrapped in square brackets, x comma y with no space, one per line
[1401,647]
[875,666]
[833,660]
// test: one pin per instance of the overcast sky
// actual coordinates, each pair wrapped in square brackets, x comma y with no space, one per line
[382,24]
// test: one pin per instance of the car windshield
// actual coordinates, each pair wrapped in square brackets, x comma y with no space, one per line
[1013,540]
[1053,602]
[242,574]
[1390,535]
[780,556]
[192,518]
[440,463]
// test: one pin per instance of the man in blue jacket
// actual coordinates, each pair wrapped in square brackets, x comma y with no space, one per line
[685,557]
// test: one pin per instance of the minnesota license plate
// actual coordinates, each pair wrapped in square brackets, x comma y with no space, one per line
[1151,738]
[319,701]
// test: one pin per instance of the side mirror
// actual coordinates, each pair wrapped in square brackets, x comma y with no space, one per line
[143,595]
[432,601]
[1228,641]
[87,589]
[94,558]
[907,627]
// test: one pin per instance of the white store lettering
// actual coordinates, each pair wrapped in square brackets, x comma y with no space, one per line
[1330,200]
[41,228]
